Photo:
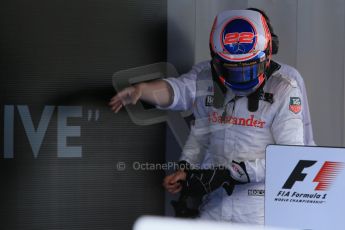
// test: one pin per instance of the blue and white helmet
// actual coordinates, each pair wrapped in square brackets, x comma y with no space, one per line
[241,49]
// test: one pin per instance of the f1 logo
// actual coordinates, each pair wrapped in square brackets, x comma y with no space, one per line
[297,174]
[325,176]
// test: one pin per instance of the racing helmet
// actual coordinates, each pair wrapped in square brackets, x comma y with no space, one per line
[241,50]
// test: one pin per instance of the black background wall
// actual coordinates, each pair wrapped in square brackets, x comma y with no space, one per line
[63,53]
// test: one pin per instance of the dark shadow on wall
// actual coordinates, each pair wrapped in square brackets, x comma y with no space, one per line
[64,53]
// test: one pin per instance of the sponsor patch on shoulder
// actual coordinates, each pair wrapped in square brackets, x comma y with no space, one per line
[295,104]
[209,100]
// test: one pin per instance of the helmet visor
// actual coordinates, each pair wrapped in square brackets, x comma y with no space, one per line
[239,73]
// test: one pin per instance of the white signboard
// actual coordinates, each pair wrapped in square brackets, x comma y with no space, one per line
[305,187]
[164,223]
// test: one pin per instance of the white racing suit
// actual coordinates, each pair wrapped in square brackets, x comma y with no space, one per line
[232,133]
